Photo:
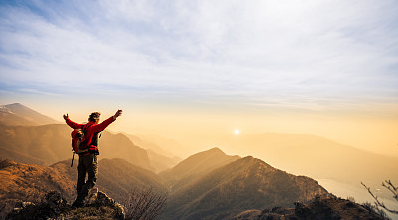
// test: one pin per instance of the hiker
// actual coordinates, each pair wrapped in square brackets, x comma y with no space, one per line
[88,161]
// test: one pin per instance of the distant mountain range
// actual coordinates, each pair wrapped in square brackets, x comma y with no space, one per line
[48,144]
[160,159]
[163,145]
[315,156]
[18,114]
[29,137]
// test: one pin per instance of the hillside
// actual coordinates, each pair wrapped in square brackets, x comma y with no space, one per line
[19,115]
[195,166]
[297,153]
[22,182]
[48,144]
[6,153]
[236,190]
[116,177]
[247,183]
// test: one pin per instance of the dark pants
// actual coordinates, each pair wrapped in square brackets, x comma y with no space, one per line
[87,164]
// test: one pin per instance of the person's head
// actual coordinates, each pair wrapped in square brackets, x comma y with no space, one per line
[94,117]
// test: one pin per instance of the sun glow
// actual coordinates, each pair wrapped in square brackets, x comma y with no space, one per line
[237,132]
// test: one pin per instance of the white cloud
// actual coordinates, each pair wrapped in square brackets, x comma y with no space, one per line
[301,52]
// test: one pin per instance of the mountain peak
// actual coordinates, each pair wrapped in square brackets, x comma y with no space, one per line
[16,104]
[196,165]
[215,150]
[16,114]
[254,183]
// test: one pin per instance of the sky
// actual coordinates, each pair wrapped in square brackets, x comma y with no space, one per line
[196,70]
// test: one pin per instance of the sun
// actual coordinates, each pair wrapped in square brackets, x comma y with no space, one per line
[237,131]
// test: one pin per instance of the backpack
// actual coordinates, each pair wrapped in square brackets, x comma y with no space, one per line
[79,142]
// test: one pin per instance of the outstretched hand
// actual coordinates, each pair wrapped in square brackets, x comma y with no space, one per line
[117,114]
[66,116]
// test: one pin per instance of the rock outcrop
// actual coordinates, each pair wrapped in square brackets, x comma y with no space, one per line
[326,208]
[55,206]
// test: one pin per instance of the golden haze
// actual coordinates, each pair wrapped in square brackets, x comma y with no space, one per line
[199,129]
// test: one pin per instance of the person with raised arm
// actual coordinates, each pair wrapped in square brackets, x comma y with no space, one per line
[88,162]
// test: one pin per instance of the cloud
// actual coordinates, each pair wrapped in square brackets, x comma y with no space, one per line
[307,53]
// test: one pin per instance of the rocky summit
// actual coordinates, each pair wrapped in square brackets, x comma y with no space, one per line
[55,206]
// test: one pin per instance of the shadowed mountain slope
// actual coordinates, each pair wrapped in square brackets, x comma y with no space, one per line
[52,143]
[116,177]
[195,166]
[18,114]
[245,184]
[10,154]
[22,182]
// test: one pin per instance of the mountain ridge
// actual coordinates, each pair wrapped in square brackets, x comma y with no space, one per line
[52,143]
[196,165]
[246,183]
[17,114]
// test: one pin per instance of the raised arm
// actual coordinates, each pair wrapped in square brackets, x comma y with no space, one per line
[104,124]
[71,124]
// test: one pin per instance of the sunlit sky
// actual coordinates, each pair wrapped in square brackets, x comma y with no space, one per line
[193,70]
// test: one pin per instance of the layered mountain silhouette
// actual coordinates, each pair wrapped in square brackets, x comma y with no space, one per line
[22,140]
[163,145]
[316,157]
[195,166]
[48,144]
[235,190]
[17,114]
[206,185]
[247,183]
[160,159]
[161,162]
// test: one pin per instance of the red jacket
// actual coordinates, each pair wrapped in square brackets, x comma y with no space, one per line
[92,131]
